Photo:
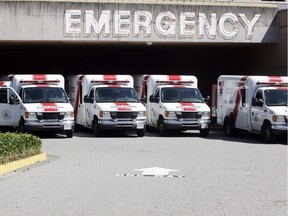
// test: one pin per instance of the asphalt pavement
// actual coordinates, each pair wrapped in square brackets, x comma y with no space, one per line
[182,174]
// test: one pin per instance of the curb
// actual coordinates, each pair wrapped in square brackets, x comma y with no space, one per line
[22,163]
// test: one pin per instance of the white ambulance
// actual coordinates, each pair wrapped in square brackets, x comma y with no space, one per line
[9,107]
[44,103]
[174,102]
[256,104]
[107,102]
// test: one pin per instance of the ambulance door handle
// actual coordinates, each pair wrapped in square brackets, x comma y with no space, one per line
[265,110]
[252,113]
[152,109]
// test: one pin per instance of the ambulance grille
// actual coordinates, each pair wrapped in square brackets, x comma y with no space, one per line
[190,115]
[124,115]
[50,116]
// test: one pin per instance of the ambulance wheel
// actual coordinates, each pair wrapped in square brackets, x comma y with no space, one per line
[161,127]
[69,133]
[229,127]
[95,128]
[140,132]
[267,133]
[21,127]
[204,132]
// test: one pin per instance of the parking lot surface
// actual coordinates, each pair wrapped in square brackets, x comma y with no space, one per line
[189,175]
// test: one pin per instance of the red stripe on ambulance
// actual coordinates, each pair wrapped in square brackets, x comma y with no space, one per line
[188,106]
[39,77]
[275,79]
[109,77]
[79,87]
[238,98]
[49,107]
[174,77]
[123,106]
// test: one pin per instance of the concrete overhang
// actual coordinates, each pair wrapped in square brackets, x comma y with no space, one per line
[127,21]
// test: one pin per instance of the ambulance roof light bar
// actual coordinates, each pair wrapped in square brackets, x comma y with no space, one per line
[175,82]
[110,82]
[272,83]
[40,81]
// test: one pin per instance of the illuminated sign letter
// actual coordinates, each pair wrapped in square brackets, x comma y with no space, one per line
[233,20]
[166,24]
[249,24]
[94,27]
[204,26]
[142,20]
[122,23]
[187,24]
[72,23]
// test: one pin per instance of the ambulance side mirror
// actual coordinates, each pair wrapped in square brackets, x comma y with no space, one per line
[87,99]
[14,101]
[153,99]
[207,99]
[257,102]
[143,100]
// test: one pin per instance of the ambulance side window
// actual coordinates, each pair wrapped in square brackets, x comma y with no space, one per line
[243,96]
[258,100]
[80,89]
[91,96]
[156,94]
[20,93]
[8,96]
[3,96]
[155,97]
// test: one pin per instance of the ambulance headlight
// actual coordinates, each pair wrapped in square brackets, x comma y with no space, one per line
[170,114]
[142,114]
[276,118]
[205,114]
[69,115]
[30,115]
[104,114]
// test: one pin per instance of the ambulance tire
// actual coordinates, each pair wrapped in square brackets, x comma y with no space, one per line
[69,133]
[21,127]
[161,127]
[140,132]
[204,132]
[95,128]
[229,127]
[267,133]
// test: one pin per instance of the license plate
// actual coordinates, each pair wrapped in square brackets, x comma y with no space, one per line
[140,126]
[67,127]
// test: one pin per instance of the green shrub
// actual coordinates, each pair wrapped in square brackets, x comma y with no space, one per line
[15,146]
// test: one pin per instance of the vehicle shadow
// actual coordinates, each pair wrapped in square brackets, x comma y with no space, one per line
[244,137]
[215,134]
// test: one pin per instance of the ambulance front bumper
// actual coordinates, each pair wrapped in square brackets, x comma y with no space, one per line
[279,129]
[122,125]
[49,126]
[175,124]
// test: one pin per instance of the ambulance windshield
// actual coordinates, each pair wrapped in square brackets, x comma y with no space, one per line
[44,95]
[175,95]
[276,97]
[116,94]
